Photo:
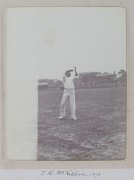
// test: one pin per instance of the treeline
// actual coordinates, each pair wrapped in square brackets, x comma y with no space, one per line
[89,80]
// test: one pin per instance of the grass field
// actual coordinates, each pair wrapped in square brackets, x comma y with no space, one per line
[98,134]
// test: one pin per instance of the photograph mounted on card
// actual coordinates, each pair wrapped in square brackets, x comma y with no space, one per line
[66,83]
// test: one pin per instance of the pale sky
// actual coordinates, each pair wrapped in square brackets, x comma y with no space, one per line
[92,39]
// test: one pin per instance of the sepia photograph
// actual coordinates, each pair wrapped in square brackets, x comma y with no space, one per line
[75,60]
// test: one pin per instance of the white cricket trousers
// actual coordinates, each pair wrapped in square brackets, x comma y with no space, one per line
[71,94]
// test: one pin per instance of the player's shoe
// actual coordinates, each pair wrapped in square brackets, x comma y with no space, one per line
[74,118]
[61,117]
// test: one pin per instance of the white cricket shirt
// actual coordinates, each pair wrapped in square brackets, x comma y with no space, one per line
[69,81]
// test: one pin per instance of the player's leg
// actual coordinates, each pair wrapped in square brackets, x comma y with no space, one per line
[63,105]
[72,104]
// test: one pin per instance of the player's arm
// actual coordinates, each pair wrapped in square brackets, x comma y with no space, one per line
[75,71]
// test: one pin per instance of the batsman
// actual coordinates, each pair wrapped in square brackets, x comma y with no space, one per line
[69,92]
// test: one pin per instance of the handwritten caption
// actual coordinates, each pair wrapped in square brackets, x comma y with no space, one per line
[72,173]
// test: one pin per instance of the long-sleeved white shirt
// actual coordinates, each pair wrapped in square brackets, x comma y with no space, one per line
[69,81]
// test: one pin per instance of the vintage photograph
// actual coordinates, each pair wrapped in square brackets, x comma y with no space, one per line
[82,85]
[66,84]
